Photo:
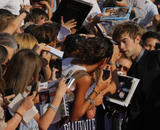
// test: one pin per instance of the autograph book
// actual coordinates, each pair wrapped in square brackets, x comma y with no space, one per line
[72,9]
[125,91]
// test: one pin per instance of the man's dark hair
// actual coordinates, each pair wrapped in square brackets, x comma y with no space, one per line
[150,34]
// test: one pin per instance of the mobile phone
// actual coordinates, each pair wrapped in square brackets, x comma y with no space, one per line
[34,88]
[157,46]
[70,81]
[106,74]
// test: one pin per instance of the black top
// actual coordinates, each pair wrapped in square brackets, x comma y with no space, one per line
[145,104]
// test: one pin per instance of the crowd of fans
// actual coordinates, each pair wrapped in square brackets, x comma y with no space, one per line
[28,30]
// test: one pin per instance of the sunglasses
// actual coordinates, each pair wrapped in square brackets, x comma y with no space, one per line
[119,66]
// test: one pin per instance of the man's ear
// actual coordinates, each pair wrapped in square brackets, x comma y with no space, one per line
[138,39]
[103,62]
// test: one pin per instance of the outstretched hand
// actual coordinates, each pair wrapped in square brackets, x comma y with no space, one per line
[62,87]
[69,24]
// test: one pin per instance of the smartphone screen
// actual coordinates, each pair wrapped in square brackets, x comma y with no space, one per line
[106,74]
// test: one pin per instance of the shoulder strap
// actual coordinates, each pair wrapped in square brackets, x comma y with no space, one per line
[79,74]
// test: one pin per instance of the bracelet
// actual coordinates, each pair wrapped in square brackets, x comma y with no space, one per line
[95,92]
[54,108]
[91,101]
[19,114]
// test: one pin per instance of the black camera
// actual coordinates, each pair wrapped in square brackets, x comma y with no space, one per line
[157,46]
[106,74]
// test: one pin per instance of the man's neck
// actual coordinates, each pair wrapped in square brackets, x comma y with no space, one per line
[138,55]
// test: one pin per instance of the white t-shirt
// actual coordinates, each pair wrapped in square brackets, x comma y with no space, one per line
[152,10]
[139,7]
[13,5]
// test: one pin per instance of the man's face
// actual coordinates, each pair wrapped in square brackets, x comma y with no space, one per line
[127,45]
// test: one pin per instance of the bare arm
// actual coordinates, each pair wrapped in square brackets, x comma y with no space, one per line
[48,8]
[16,119]
[49,115]
[15,24]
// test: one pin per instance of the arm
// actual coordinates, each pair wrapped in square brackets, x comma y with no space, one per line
[47,69]
[15,24]
[49,115]
[25,106]
[48,8]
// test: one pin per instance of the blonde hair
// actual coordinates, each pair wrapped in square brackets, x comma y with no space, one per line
[25,41]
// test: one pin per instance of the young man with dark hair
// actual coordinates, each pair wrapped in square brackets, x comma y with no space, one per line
[144,109]
[150,39]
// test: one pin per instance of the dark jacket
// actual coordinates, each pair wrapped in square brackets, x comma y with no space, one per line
[144,109]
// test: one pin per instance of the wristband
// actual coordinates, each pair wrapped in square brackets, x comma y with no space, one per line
[54,108]
[91,101]
[19,114]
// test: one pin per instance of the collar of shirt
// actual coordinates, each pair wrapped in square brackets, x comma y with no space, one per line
[140,55]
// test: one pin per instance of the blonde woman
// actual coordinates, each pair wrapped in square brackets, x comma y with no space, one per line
[25,41]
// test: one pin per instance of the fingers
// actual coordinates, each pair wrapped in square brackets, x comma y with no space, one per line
[62,22]
[33,95]
[62,80]
[44,47]
[101,14]
[9,97]
[70,24]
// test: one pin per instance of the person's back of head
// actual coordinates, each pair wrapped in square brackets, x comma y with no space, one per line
[25,41]
[8,40]
[23,70]
[37,15]
[5,19]
[95,50]
[87,50]
[132,28]
[46,33]
[72,45]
